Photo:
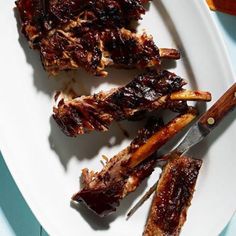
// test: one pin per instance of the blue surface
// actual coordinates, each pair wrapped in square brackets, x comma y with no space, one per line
[16,217]
[227,25]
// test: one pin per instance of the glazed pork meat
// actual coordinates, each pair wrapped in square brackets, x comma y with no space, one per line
[122,174]
[146,92]
[173,196]
[89,34]
[39,16]
[95,50]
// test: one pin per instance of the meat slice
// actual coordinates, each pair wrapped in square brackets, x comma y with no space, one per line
[94,50]
[124,172]
[89,34]
[173,197]
[105,12]
[39,16]
[146,92]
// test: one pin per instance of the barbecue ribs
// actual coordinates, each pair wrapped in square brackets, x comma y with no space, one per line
[89,34]
[173,197]
[146,92]
[124,172]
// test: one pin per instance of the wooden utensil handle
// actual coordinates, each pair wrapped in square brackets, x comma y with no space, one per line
[217,112]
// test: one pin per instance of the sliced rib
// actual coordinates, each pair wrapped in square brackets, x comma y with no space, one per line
[173,196]
[38,17]
[89,35]
[94,50]
[146,92]
[124,172]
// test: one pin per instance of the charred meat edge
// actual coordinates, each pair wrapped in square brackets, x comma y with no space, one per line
[173,196]
[124,172]
[40,16]
[88,34]
[146,92]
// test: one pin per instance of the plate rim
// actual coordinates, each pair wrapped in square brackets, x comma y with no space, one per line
[21,183]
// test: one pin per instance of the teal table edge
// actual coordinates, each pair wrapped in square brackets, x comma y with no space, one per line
[227,27]
[16,218]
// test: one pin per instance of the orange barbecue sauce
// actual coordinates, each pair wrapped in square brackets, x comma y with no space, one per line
[226,6]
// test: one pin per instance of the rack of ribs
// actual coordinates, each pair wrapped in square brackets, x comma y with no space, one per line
[146,92]
[122,174]
[173,196]
[89,34]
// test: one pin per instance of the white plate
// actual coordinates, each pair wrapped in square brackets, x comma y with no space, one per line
[46,165]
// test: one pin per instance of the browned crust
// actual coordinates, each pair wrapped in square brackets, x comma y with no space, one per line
[173,197]
[146,92]
[121,175]
[89,35]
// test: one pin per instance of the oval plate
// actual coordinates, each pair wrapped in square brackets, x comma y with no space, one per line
[46,165]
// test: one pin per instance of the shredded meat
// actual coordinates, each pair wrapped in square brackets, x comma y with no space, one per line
[146,92]
[88,34]
[124,172]
[116,179]
[94,50]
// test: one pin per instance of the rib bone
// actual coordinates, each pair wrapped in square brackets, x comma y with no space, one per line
[89,34]
[121,175]
[147,92]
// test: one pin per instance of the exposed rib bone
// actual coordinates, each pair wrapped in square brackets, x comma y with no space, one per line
[89,34]
[121,175]
[160,138]
[168,53]
[188,95]
[147,92]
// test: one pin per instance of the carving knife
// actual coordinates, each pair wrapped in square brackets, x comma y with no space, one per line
[207,122]
[203,127]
